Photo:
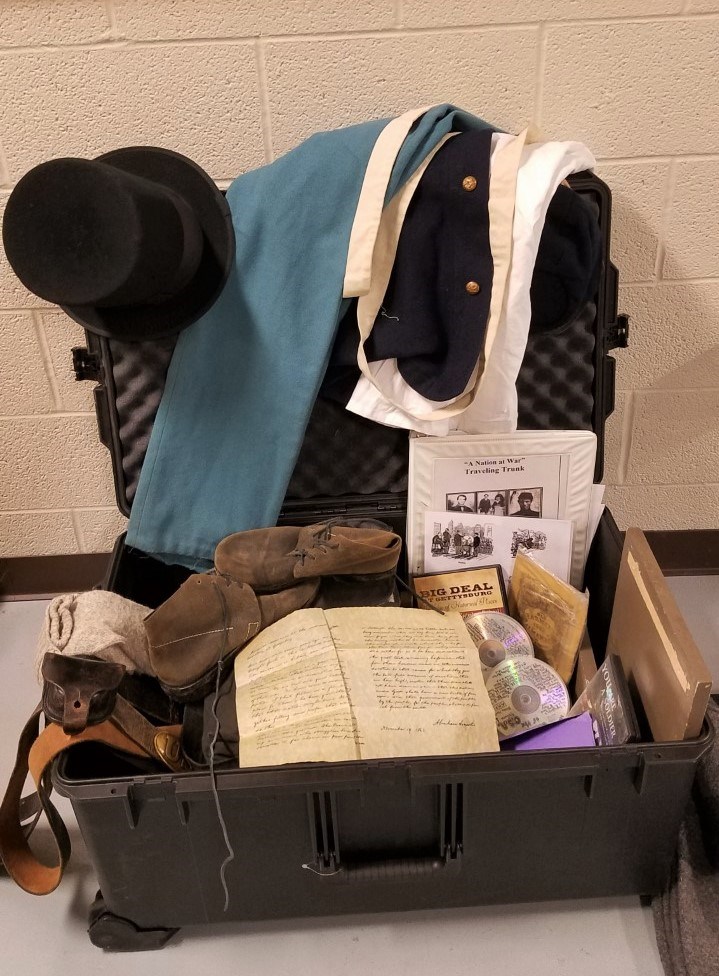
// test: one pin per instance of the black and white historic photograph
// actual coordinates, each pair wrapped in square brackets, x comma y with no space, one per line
[492,502]
[462,502]
[525,502]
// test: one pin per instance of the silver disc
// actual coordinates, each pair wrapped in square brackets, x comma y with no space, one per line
[526,694]
[497,637]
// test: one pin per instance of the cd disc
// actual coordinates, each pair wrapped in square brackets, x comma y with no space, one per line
[525,694]
[497,637]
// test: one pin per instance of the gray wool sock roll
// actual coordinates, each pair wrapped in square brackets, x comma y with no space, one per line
[99,623]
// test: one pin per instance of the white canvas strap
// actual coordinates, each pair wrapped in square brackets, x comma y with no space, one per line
[371,202]
[383,376]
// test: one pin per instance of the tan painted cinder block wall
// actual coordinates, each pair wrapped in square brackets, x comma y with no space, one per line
[235,84]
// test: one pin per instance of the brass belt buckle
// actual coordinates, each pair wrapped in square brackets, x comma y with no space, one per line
[167,747]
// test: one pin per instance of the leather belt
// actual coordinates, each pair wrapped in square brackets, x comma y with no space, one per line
[125,729]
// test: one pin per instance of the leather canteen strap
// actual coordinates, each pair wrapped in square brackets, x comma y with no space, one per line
[36,751]
[158,742]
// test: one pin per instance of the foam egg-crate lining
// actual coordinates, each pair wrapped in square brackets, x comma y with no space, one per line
[343,454]
[346,455]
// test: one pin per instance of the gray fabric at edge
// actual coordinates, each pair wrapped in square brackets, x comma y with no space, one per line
[686,914]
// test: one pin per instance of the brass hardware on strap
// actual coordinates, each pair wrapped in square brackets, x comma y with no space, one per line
[167,747]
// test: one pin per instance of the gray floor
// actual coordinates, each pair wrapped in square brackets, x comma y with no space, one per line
[48,935]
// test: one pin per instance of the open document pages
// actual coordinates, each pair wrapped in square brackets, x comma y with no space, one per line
[361,683]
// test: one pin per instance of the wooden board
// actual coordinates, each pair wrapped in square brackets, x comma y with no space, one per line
[660,657]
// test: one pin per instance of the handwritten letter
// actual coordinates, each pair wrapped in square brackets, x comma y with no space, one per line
[291,700]
[414,681]
[367,683]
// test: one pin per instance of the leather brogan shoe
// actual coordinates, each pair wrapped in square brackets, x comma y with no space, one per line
[273,558]
[206,622]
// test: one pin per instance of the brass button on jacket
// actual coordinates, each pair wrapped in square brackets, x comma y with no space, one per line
[469,183]
[436,329]
[472,287]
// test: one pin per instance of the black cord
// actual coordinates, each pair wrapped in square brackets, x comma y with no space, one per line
[417,597]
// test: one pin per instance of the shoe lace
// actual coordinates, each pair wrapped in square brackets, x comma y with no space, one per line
[321,540]
[227,578]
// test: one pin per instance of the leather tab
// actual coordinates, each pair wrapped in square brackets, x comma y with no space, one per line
[36,751]
[79,691]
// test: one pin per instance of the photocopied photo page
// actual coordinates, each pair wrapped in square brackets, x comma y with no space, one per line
[481,480]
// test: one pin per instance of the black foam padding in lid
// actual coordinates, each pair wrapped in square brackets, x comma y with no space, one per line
[342,453]
[138,378]
[345,454]
[555,385]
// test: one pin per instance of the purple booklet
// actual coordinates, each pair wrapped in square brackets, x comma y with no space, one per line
[569,733]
